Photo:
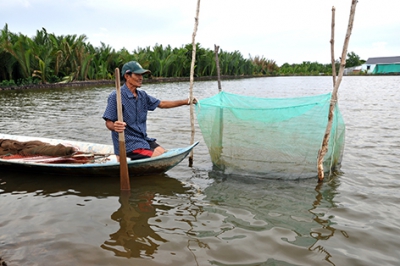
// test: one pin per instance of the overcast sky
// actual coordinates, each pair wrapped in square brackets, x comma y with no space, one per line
[289,31]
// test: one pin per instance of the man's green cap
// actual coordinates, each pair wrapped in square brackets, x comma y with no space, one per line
[134,67]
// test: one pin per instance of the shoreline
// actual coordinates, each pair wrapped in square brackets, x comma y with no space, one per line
[153,80]
[94,83]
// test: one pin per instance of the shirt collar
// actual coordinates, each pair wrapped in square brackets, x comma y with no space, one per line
[125,90]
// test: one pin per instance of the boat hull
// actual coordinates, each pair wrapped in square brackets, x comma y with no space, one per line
[105,165]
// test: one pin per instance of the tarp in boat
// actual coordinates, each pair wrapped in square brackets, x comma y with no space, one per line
[270,137]
[386,69]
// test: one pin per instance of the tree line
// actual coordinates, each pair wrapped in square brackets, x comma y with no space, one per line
[48,58]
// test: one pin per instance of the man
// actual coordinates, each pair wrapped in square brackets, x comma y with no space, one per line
[135,104]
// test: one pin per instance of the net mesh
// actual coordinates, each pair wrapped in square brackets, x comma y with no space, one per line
[270,137]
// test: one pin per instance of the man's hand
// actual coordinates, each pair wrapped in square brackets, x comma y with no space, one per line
[119,126]
[194,101]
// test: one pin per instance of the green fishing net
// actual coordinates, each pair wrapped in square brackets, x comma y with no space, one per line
[270,137]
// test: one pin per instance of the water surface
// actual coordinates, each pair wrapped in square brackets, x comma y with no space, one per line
[195,216]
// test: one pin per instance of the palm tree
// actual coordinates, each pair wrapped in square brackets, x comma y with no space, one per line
[42,51]
[264,66]
[104,62]
[19,46]
[181,64]
[7,61]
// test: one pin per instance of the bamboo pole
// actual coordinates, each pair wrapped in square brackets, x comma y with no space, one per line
[123,166]
[218,149]
[324,147]
[192,81]
[333,47]
[216,48]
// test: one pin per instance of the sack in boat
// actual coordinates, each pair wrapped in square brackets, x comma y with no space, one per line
[8,146]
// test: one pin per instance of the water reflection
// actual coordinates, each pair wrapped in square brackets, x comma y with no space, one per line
[325,196]
[50,185]
[135,236]
[297,211]
[150,198]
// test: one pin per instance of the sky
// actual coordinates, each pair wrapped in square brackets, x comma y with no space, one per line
[285,31]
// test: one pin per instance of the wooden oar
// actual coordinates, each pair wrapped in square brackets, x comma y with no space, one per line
[124,175]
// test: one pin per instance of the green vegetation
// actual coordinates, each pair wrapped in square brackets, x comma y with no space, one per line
[47,58]
[353,60]
[307,68]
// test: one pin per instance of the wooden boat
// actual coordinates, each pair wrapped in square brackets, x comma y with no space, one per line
[91,159]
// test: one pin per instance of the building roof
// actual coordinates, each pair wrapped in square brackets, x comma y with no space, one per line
[383,60]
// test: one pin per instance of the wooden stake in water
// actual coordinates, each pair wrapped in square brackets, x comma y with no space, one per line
[324,147]
[216,48]
[192,80]
[218,146]
[333,47]
[123,165]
